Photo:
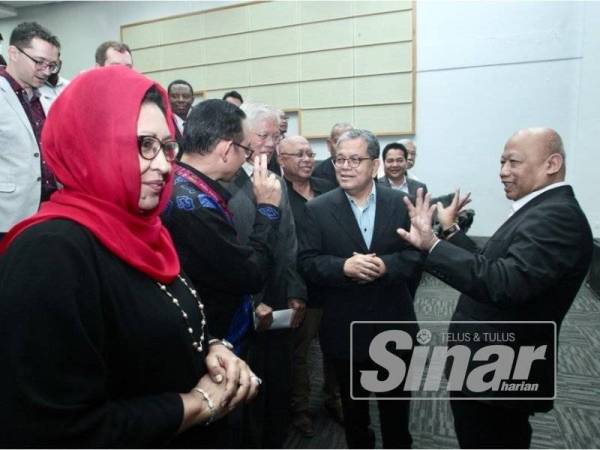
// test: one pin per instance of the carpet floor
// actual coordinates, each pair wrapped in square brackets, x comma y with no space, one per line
[573,423]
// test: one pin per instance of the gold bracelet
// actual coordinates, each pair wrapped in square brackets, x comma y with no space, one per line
[209,402]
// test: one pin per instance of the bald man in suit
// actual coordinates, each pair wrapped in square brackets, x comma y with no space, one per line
[530,270]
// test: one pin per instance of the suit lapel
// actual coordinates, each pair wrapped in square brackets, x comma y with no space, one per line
[385,210]
[15,104]
[412,188]
[343,215]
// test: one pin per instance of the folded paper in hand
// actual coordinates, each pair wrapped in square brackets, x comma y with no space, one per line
[281,319]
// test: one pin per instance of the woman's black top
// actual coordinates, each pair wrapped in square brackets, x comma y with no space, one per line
[93,353]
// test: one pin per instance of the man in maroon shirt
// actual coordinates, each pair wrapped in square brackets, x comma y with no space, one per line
[25,180]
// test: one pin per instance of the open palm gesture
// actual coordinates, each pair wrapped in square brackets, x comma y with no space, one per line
[421,213]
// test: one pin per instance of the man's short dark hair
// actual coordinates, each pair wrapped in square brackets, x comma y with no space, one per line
[22,35]
[209,122]
[394,146]
[234,94]
[172,83]
[103,48]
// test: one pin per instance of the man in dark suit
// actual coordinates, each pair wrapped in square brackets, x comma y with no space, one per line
[297,160]
[181,97]
[348,251]
[270,352]
[530,269]
[325,168]
[395,160]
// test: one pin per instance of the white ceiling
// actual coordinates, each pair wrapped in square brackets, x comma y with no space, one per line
[10,9]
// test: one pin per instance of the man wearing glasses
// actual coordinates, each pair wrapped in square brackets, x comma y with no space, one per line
[221,267]
[297,160]
[270,351]
[25,179]
[347,251]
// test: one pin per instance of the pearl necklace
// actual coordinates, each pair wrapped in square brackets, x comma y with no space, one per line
[196,344]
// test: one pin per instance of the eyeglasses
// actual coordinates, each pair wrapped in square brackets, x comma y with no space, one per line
[149,146]
[40,64]
[264,136]
[300,155]
[353,162]
[249,151]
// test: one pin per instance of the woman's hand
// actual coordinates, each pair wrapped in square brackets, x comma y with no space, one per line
[203,404]
[241,384]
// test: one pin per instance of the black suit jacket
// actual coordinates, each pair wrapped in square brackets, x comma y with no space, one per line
[326,170]
[329,235]
[530,269]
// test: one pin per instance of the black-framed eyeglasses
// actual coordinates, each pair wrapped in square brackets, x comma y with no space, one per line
[249,151]
[149,146]
[40,64]
[300,155]
[353,162]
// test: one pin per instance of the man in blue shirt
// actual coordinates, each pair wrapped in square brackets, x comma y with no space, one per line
[349,252]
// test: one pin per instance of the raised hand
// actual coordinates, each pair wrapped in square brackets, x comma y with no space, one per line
[267,188]
[447,216]
[421,213]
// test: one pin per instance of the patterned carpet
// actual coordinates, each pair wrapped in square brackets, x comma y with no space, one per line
[574,422]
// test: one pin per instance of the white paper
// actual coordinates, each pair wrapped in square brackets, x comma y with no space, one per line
[281,319]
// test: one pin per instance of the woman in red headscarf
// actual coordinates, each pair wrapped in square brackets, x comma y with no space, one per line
[102,341]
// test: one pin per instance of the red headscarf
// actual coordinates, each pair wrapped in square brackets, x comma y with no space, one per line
[90,142]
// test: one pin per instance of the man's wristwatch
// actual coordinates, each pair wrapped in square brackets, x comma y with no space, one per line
[450,231]
[228,345]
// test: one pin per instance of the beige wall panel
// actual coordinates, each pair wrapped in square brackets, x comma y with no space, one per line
[293,54]
[225,21]
[383,58]
[283,96]
[327,93]
[313,11]
[219,93]
[227,75]
[181,55]
[161,78]
[327,64]
[273,14]
[384,119]
[273,42]
[193,75]
[226,48]
[280,69]
[396,88]
[372,7]
[327,35]
[383,28]
[144,35]
[318,122]
[148,59]
[184,28]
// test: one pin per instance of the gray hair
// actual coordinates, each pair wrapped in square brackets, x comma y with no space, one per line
[259,111]
[343,126]
[409,142]
[365,135]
